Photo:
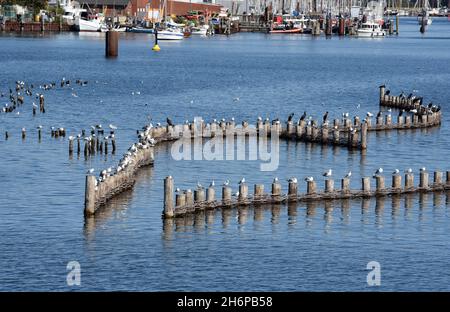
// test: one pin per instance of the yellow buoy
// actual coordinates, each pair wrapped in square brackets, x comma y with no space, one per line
[156,47]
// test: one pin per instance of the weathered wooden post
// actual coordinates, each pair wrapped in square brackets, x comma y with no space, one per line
[336,138]
[356,122]
[300,128]
[243,193]
[24,133]
[408,121]
[291,129]
[276,191]
[336,123]
[189,198]
[180,200]
[210,194]
[311,187]
[78,145]
[400,120]
[379,183]
[168,197]
[324,133]
[113,144]
[423,179]
[112,43]
[309,132]
[388,120]
[41,103]
[259,191]
[106,146]
[364,135]
[89,196]
[447,178]
[70,146]
[226,195]
[366,185]
[6,135]
[345,185]
[292,190]
[379,121]
[382,93]
[329,185]
[396,181]
[409,181]
[437,178]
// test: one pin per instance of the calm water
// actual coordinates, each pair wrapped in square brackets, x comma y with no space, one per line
[323,246]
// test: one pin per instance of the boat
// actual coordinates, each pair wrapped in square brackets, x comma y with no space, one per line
[202,30]
[79,19]
[371,29]
[170,34]
[286,31]
[141,30]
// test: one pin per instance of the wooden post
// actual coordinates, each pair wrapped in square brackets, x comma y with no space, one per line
[400,120]
[290,128]
[300,129]
[396,181]
[89,196]
[259,191]
[408,121]
[70,146]
[447,177]
[345,185]
[311,187]
[113,144]
[106,146]
[210,194]
[112,43]
[180,200]
[189,198]
[382,93]
[366,184]
[336,123]
[24,133]
[379,183]
[388,120]
[437,177]
[168,197]
[364,135]
[39,134]
[243,193]
[329,185]
[379,121]
[423,183]
[409,180]
[292,190]
[226,195]
[356,122]
[276,191]
[336,139]
[324,134]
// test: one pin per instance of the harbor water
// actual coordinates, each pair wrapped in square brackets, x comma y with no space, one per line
[127,246]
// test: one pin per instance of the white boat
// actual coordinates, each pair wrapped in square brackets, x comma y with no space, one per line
[371,30]
[78,19]
[202,30]
[170,34]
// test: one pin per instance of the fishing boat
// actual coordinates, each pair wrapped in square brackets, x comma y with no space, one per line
[371,29]
[79,19]
[170,34]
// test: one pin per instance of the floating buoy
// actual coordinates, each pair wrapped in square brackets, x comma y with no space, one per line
[156,47]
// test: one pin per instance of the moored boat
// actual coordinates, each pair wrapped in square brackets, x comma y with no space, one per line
[371,29]
[286,31]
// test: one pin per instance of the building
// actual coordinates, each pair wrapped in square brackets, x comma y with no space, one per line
[146,9]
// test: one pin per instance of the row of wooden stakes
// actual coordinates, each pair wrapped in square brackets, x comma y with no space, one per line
[202,198]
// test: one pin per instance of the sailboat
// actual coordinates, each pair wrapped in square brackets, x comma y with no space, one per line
[424,17]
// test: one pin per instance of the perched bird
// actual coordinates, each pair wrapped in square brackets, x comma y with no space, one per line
[169,122]
[199,185]
[325,117]
[378,172]
[112,127]
[348,175]
[290,117]
[422,169]
[409,170]
[328,173]
[90,171]
[226,183]
[242,181]
[369,114]
[303,116]
[292,180]
[396,171]
[275,180]
[309,179]
[212,184]
[379,114]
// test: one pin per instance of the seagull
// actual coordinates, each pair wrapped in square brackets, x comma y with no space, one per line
[309,179]
[292,180]
[379,114]
[348,175]
[212,184]
[275,180]
[112,127]
[236,194]
[378,172]
[396,171]
[327,173]
[422,169]
[199,185]
[226,183]
[90,171]
[409,170]
[177,190]
[236,99]
[369,114]
[242,181]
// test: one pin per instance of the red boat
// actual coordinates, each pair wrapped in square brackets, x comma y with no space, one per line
[286,31]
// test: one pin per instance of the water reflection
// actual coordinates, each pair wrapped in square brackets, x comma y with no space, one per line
[373,211]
